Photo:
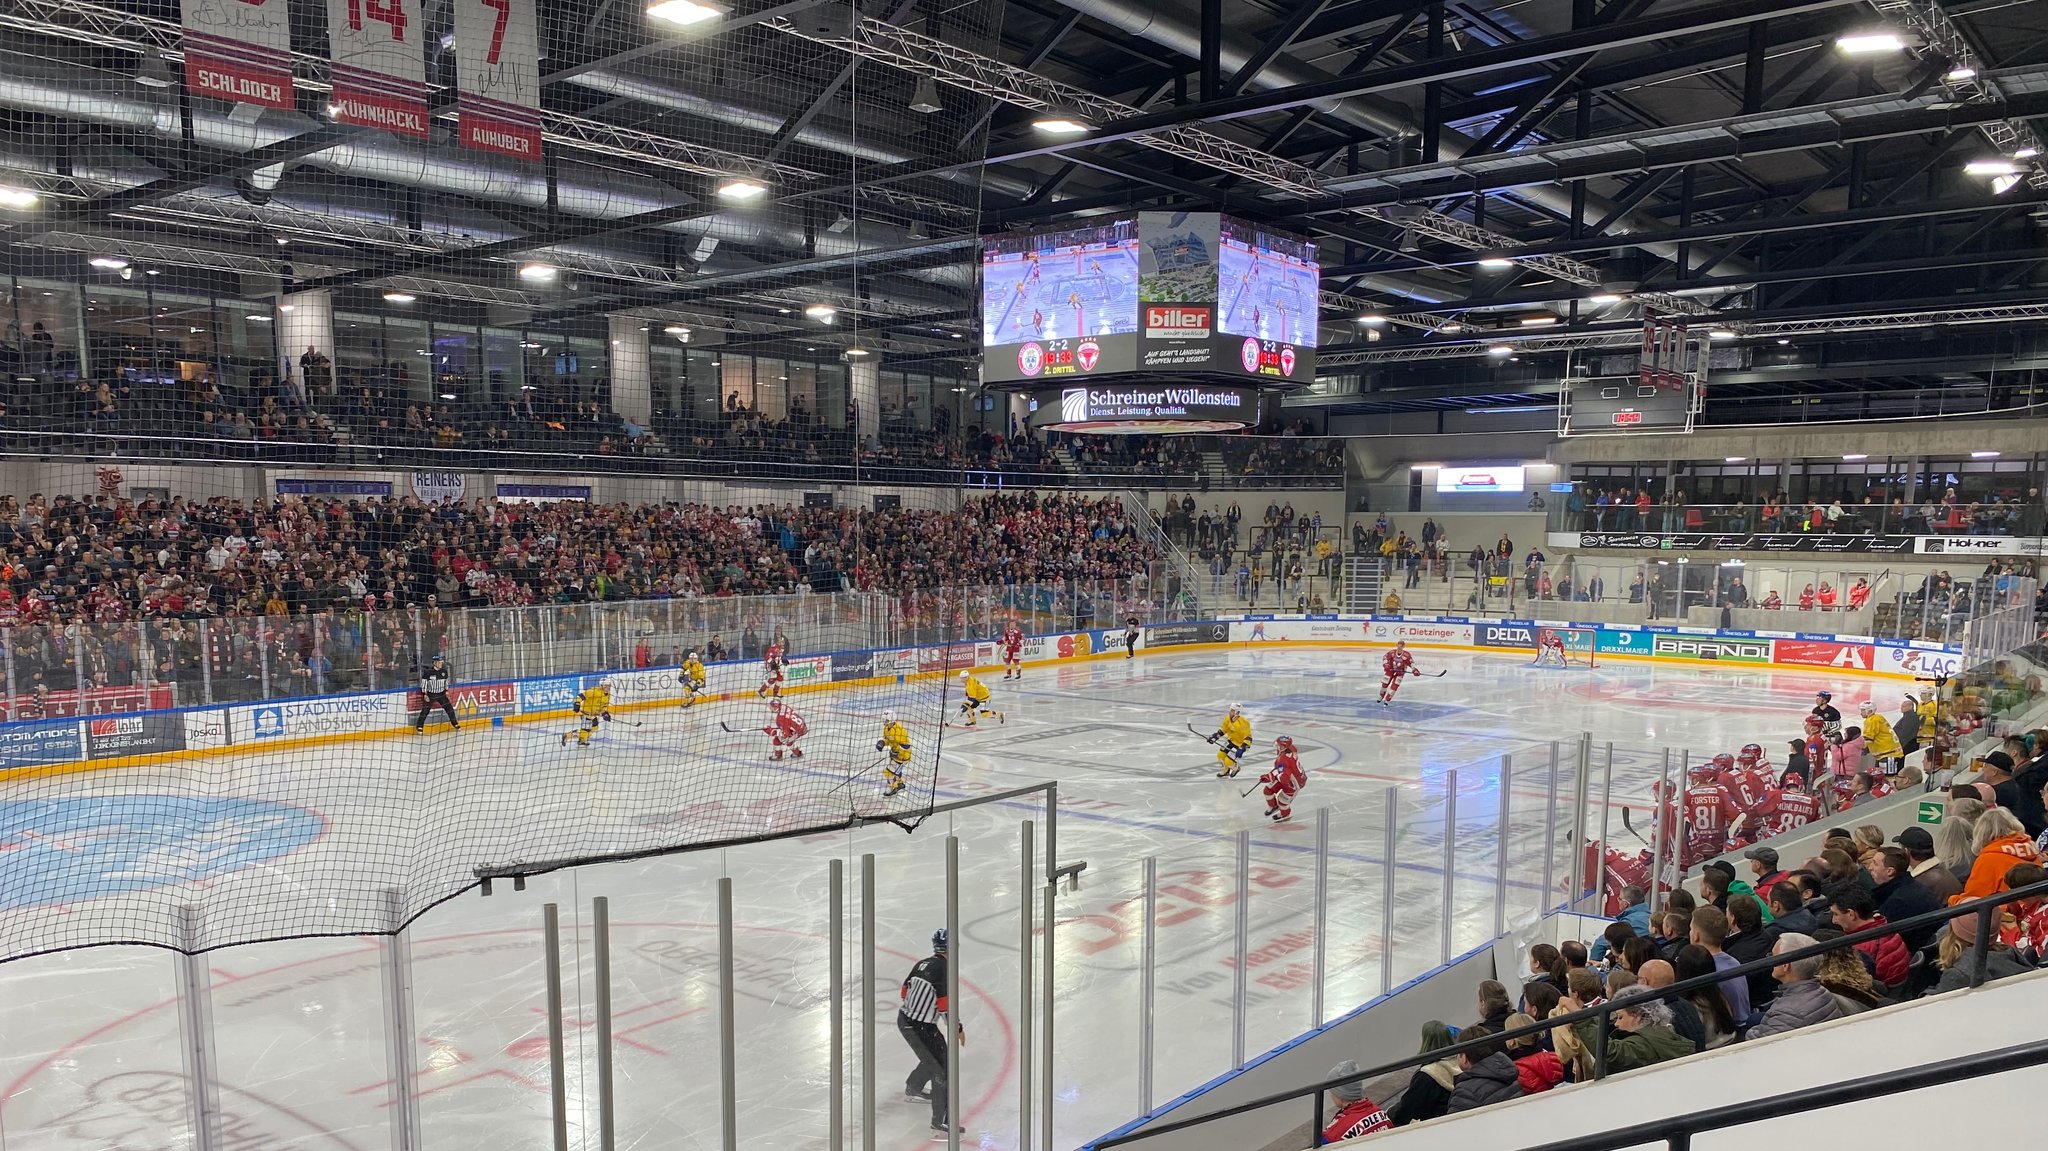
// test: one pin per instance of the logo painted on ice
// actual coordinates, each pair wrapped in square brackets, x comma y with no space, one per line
[76,848]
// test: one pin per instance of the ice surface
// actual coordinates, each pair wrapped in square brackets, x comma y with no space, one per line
[92,1057]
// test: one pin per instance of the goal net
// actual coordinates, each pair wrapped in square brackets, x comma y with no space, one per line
[1565,646]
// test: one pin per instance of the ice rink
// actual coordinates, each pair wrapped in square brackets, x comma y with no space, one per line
[92,1054]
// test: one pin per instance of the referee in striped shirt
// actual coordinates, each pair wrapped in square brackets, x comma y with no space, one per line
[924,1002]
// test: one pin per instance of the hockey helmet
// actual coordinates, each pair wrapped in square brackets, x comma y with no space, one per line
[1724,762]
[1236,709]
[1750,755]
[966,674]
[1813,723]
[888,717]
[1284,743]
[939,941]
[1400,643]
[1793,780]
[1867,708]
[692,657]
[1704,773]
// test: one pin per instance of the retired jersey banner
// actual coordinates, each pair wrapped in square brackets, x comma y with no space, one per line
[379,69]
[239,50]
[497,71]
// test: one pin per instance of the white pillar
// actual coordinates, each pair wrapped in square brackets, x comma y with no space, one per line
[864,381]
[304,320]
[632,369]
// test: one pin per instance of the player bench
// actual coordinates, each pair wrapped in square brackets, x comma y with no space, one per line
[1071,872]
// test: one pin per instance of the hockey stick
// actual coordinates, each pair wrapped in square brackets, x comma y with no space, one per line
[1632,828]
[856,775]
[1433,674]
[731,730]
[1246,793]
[1209,739]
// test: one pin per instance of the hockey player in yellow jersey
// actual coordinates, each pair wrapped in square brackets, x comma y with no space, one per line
[1232,740]
[592,707]
[974,700]
[896,741]
[693,679]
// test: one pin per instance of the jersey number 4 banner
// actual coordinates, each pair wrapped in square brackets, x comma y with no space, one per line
[239,50]
[379,69]
[498,76]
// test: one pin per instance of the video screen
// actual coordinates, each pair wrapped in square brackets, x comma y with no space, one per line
[1269,285]
[1060,285]
[1498,478]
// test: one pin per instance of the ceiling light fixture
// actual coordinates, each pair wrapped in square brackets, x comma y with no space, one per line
[1721,333]
[684,12]
[858,351]
[1870,42]
[396,297]
[1783,342]
[1735,460]
[1057,124]
[839,224]
[1496,263]
[1958,75]
[256,318]
[675,330]
[823,312]
[926,98]
[2025,153]
[1372,320]
[17,198]
[1603,299]
[109,263]
[1500,350]
[152,72]
[1538,321]
[538,273]
[2000,185]
[1983,455]
[1991,166]
[1852,457]
[742,188]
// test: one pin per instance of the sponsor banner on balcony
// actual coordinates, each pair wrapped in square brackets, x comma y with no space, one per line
[1805,652]
[239,50]
[378,66]
[497,77]
[1739,542]
[119,735]
[1978,546]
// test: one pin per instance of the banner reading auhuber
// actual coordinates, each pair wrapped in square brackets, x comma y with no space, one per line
[239,50]
[497,69]
[379,70]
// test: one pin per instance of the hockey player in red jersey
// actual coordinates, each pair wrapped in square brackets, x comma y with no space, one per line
[785,728]
[1708,810]
[1283,781]
[1398,663]
[1787,809]
[771,673]
[1013,651]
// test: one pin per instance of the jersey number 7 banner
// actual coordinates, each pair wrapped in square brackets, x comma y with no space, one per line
[239,50]
[497,58]
[379,68]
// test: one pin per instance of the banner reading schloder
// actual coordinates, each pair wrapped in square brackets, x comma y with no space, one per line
[239,50]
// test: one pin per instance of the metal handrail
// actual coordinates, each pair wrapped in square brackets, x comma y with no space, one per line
[1983,909]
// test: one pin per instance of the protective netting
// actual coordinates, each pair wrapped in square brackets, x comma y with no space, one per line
[207,728]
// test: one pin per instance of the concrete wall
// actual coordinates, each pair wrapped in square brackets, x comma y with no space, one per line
[2006,1110]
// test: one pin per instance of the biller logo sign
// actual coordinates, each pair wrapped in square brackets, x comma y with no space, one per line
[1176,322]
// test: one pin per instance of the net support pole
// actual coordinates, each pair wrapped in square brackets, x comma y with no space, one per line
[1242,938]
[1450,858]
[400,1030]
[1606,816]
[1581,785]
[1387,849]
[1027,862]
[835,1113]
[1046,1088]
[558,1078]
[1500,852]
[1550,830]
[952,993]
[867,1002]
[728,1055]
[263,650]
[1319,960]
[1148,945]
[206,662]
[195,1027]
[601,979]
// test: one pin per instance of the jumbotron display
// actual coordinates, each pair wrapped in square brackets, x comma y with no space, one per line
[1179,293]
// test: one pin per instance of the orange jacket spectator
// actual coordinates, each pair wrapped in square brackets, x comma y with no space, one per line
[2002,845]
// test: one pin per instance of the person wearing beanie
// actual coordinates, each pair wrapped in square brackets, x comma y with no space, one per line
[1954,956]
[1429,1089]
[1356,1115]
